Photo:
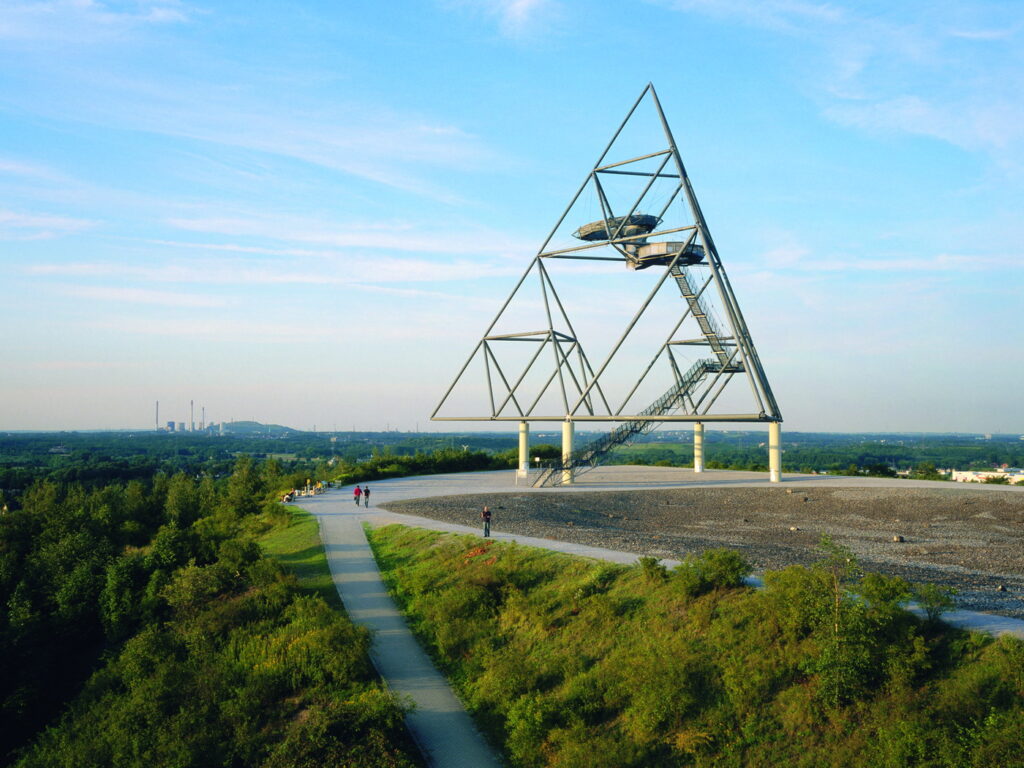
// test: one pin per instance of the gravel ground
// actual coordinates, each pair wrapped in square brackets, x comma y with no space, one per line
[970,540]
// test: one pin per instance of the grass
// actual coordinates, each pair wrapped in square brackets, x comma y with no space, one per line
[297,546]
[569,661]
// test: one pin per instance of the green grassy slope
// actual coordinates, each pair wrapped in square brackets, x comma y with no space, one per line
[572,662]
[296,545]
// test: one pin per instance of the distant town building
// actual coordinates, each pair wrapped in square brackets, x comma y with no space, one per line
[1013,475]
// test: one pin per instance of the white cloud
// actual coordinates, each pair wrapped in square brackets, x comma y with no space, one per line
[450,238]
[34,226]
[989,126]
[11,167]
[142,296]
[339,270]
[85,21]
[789,15]
[366,140]
[515,18]
[950,71]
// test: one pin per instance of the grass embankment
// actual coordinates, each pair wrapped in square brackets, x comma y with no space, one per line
[296,545]
[571,662]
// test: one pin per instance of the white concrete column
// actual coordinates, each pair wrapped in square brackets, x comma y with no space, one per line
[775,452]
[698,447]
[567,431]
[524,449]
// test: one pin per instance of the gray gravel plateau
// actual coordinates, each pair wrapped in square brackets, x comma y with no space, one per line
[970,540]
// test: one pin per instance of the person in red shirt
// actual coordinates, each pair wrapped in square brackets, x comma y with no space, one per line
[485,515]
[356,494]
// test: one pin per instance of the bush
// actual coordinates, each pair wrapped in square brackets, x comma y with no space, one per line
[652,569]
[712,569]
[935,600]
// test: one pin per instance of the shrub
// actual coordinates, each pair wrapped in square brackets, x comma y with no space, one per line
[935,600]
[652,569]
[712,569]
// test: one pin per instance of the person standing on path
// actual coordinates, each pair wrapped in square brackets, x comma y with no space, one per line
[366,496]
[356,493]
[485,515]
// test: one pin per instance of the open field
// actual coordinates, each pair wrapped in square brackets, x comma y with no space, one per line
[968,538]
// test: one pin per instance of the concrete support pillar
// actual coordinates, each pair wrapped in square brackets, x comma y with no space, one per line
[567,432]
[775,452]
[698,447]
[524,449]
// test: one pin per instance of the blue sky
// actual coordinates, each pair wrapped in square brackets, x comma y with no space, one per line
[307,213]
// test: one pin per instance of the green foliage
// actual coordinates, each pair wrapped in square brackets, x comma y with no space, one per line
[712,569]
[243,675]
[565,661]
[652,569]
[935,600]
[387,464]
[193,648]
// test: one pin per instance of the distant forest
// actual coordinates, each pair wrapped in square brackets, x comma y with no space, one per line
[97,458]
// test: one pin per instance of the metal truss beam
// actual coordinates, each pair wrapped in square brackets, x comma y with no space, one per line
[717,313]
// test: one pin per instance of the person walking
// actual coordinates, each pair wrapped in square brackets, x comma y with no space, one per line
[366,495]
[485,515]
[356,493]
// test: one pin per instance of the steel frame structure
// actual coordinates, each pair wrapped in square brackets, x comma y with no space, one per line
[579,383]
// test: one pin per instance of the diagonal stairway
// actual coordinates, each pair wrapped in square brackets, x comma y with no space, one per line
[707,326]
[594,453]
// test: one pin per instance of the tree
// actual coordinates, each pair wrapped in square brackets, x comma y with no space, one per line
[245,488]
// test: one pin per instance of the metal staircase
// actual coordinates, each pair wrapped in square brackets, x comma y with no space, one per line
[707,325]
[594,453]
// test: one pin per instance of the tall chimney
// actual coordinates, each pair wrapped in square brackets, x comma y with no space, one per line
[202,420]
[158,415]
[191,415]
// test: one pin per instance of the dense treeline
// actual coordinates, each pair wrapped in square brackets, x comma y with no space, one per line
[97,459]
[387,464]
[849,454]
[569,662]
[148,607]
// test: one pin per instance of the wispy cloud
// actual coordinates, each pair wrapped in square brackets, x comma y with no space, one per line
[515,18]
[12,167]
[88,21]
[798,258]
[788,15]
[35,226]
[450,238]
[341,270]
[950,71]
[394,148]
[146,296]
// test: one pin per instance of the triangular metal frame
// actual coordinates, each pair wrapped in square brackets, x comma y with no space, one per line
[626,237]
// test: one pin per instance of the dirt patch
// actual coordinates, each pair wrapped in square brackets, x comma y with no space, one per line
[971,540]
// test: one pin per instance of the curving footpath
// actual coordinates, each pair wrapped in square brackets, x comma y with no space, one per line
[439,723]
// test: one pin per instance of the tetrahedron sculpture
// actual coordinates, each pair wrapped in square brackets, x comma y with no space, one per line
[636,212]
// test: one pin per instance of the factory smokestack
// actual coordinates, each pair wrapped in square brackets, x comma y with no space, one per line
[158,415]
[191,415]
[202,420]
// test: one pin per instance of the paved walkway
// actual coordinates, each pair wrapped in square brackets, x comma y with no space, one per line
[440,723]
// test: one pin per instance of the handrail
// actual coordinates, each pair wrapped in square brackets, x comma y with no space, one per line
[591,454]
